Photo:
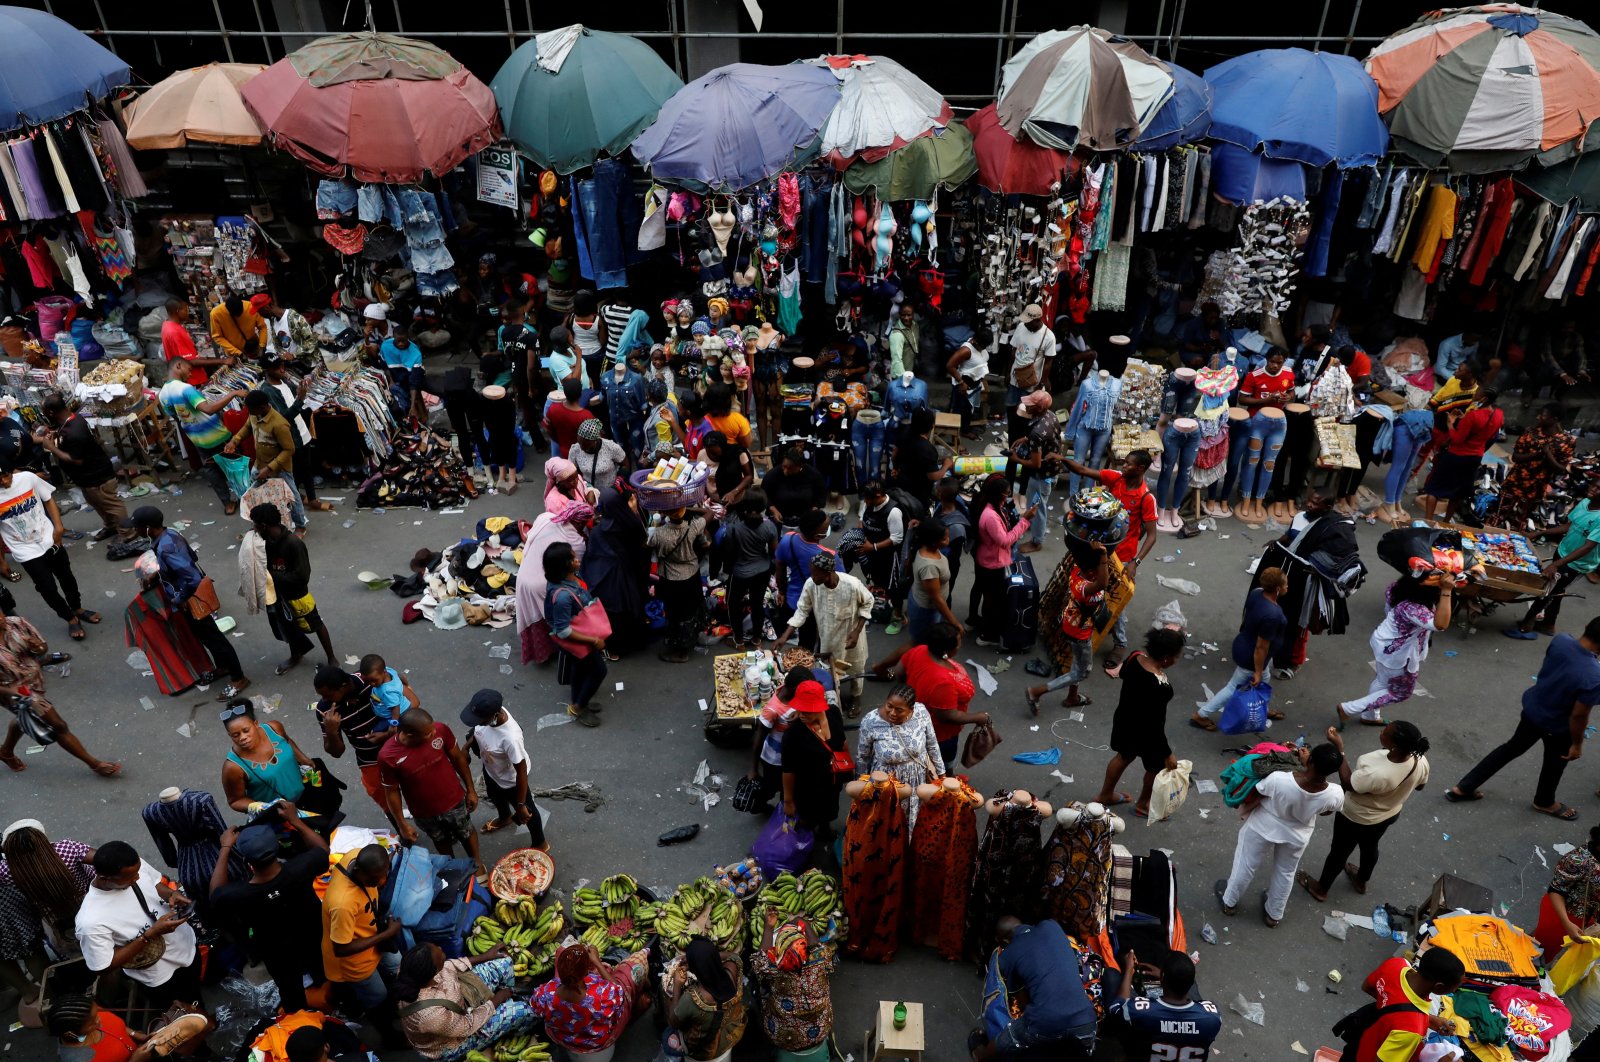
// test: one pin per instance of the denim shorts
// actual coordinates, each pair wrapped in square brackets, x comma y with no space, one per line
[441,283]
[335,199]
[429,257]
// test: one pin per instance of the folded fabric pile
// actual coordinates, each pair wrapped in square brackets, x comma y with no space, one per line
[474,581]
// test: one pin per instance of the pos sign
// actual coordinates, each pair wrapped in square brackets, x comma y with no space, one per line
[497,176]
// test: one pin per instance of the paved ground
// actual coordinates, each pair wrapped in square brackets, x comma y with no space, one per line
[652,742]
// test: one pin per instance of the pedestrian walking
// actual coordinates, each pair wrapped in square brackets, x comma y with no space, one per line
[1417,608]
[292,609]
[841,605]
[424,765]
[1139,726]
[30,526]
[498,740]
[1279,819]
[1555,711]
[1260,632]
[70,440]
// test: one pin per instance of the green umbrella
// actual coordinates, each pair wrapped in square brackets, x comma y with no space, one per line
[1577,178]
[943,158]
[571,95]
[371,57]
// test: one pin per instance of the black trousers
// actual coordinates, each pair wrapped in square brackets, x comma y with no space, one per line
[52,577]
[505,804]
[223,658]
[986,603]
[1348,836]
[685,604]
[286,630]
[1525,737]
[748,592]
[288,968]
[306,466]
[182,987]
[1550,603]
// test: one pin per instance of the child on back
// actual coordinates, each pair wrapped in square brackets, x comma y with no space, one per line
[391,694]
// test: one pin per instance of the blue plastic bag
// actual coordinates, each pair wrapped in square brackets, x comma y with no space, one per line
[1246,710]
[782,845]
[1046,758]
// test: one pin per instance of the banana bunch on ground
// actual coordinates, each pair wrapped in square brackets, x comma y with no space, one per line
[814,896]
[701,907]
[614,915]
[523,1048]
[530,935]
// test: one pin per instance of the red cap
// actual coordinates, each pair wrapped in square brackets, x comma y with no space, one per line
[810,698]
[259,300]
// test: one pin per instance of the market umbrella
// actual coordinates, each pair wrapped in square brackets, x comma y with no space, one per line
[51,69]
[1487,88]
[1008,166]
[1241,176]
[1577,178]
[1288,103]
[388,108]
[882,106]
[201,103]
[942,160]
[1183,119]
[574,94]
[738,125]
[1083,85]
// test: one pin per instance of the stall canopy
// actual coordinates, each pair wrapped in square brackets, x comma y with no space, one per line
[199,104]
[1183,119]
[1479,89]
[1081,86]
[1008,166]
[1577,178]
[942,160]
[882,106]
[573,95]
[387,108]
[1288,103]
[51,69]
[738,125]
[1241,176]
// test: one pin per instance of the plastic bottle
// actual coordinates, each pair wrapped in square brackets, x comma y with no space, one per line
[1380,921]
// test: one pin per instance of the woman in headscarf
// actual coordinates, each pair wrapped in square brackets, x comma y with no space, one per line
[704,1003]
[796,1003]
[634,337]
[617,569]
[564,486]
[589,1003]
[569,524]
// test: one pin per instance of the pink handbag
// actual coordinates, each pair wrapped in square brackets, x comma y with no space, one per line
[590,621]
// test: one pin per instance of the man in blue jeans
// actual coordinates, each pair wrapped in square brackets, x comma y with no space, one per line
[1260,636]
[1040,969]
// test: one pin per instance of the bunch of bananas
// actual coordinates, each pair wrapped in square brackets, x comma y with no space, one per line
[813,895]
[523,1048]
[529,935]
[614,915]
[701,907]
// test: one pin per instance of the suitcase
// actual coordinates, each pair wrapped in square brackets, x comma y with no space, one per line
[1020,628]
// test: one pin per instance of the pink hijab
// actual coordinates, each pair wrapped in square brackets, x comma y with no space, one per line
[555,470]
[547,529]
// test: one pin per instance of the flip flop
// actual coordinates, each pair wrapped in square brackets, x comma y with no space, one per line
[1080,702]
[1143,813]
[75,629]
[1118,800]
[286,667]
[1520,634]
[1466,798]
[494,826]
[1219,889]
[88,616]
[12,575]
[14,763]
[1564,812]
[56,658]
[1273,713]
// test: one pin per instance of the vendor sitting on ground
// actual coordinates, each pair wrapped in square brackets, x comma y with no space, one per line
[1041,970]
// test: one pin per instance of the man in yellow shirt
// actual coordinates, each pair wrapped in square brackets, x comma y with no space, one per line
[1456,391]
[353,932]
[237,329]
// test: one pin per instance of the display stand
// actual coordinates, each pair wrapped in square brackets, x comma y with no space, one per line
[947,430]
[888,1044]
[142,433]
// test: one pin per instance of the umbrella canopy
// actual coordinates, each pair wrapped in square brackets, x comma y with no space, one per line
[198,104]
[51,69]
[944,159]
[1008,166]
[1082,85]
[738,125]
[571,95]
[1288,103]
[1577,178]
[1488,88]
[389,127]
[882,106]
[1241,176]
[1183,119]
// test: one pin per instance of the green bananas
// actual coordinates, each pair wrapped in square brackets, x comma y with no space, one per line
[813,895]
[529,935]
[515,1049]
[704,907]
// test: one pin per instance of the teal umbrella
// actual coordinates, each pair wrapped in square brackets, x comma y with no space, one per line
[572,95]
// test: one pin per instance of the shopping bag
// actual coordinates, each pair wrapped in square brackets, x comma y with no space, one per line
[1171,789]
[783,844]
[981,741]
[745,793]
[237,472]
[1573,963]
[1246,710]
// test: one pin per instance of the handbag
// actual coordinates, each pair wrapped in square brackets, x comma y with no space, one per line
[981,741]
[204,601]
[590,621]
[154,947]
[32,723]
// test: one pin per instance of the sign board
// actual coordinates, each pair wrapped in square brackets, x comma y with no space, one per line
[497,176]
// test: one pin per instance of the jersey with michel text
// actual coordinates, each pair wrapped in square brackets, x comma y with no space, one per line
[1166,1033]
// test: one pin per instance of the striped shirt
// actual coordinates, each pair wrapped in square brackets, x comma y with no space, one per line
[615,315]
[357,720]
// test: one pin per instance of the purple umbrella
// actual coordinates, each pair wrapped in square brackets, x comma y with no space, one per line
[738,125]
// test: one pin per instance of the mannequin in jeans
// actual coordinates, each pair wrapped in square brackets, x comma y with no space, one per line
[1090,425]
[1180,442]
[1238,430]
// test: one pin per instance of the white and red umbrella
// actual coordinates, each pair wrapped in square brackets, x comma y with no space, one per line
[882,106]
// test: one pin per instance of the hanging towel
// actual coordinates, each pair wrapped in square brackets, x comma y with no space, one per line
[58,167]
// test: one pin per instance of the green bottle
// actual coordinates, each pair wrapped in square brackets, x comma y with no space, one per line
[899,1015]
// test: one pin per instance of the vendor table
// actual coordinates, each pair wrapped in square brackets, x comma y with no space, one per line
[142,432]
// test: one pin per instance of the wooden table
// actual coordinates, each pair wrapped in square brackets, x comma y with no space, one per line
[889,1044]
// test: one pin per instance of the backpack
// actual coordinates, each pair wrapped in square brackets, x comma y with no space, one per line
[1353,1026]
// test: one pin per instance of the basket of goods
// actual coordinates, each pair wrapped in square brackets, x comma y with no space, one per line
[115,387]
[675,483]
[701,908]
[814,896]
[615,915]
[523,874]
[524,1048]
[743,878]
[530,935]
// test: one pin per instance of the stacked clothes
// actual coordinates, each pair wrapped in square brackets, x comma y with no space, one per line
[474,581]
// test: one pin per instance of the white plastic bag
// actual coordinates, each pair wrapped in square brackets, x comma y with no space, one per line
[1171,789]
[1182,586]
[1171,617]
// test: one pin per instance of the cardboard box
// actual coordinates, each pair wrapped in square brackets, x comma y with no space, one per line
[1500,584]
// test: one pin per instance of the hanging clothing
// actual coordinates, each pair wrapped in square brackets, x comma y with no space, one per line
[188,834]
[944,848]
[876,843]
[1494,219]
[1077,874]
[1391,213]
[1437,223]
[1009,876]
[1111,278]
[1557,286]
[118,160]
[80,165]
[1321,239]
[1372,201]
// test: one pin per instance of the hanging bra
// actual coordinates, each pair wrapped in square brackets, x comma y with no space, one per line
[722,222]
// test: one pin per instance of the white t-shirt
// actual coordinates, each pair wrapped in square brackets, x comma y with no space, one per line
[1289,813]
[109,918]
[301,431]
[24,524]
[976,367]
[502,749]
[1027,347]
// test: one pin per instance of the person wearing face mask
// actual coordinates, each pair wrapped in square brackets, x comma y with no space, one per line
[134,919]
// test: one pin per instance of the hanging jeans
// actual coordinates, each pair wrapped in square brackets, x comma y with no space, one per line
[1178,451]
[1256,475]
[1402,463]
[1089,448]
[1238,443]
[1038,492]
[815,198]
[606,215]
[867,437]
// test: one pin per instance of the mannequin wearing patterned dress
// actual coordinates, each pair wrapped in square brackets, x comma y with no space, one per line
[187,829]
[944,848]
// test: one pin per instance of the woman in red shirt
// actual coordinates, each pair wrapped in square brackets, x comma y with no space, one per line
[1264,392]
[1456,466]
[943,687]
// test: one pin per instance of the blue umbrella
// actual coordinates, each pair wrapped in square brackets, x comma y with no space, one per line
[1288,103]
[1183,119]
[738,125]
[1241,176]
[51,69]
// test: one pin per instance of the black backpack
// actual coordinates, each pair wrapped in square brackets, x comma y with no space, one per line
[1353,1026]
